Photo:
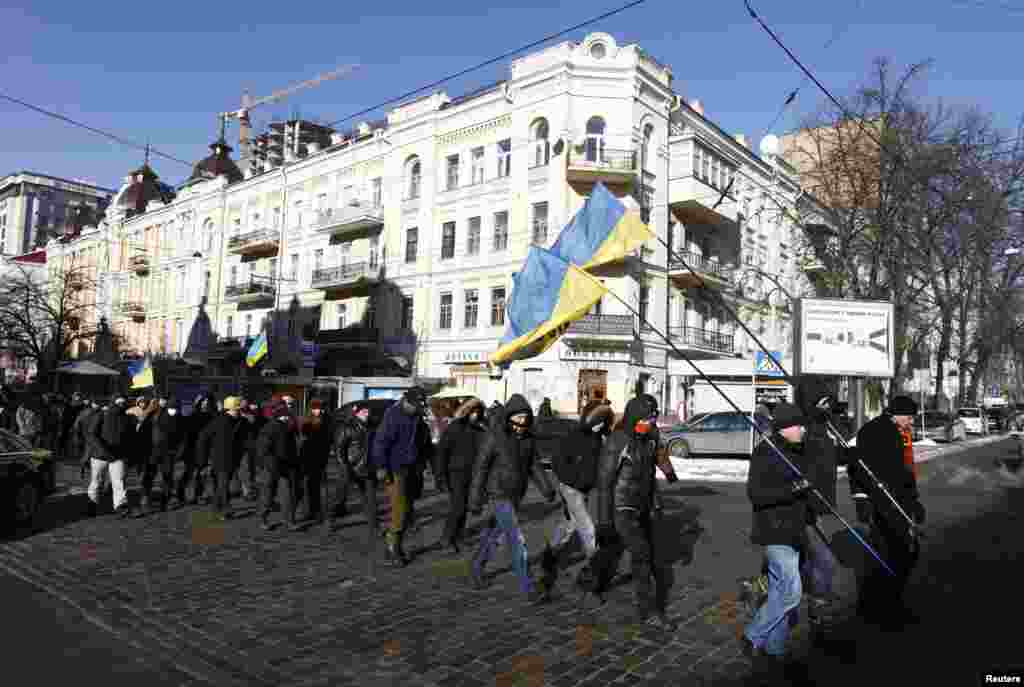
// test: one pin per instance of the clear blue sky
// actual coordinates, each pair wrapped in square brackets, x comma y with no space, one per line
[131,70]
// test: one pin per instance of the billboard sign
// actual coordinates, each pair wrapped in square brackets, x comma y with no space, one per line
[840,337]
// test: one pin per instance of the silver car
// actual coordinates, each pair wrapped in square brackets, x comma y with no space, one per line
[722,433]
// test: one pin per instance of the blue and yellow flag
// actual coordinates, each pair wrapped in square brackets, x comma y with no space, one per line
[141,373]
[548,295]
[602,231]
[257,351]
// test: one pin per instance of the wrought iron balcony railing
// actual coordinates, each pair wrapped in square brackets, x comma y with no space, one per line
[702,338]
[609,325]
[700,264]
[344,274]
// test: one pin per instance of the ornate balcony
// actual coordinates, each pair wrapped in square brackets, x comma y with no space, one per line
[139,264]
[251,291]
[593,163]
[346,278]
[355,217]
[701,339]
[262,243]
[708,270]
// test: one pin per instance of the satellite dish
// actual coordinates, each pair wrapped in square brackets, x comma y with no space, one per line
[770,146]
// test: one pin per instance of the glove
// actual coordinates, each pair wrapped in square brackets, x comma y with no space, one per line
[864,511]
[917,512]
[800,488]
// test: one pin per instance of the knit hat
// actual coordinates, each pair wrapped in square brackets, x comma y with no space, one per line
[902,405]
[232,403]
[787,415]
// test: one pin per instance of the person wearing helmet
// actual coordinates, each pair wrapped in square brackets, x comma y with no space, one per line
[221,444]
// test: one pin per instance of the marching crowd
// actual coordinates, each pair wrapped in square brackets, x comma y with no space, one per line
[486,458]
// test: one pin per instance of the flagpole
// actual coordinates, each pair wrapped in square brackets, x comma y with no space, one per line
[764,436]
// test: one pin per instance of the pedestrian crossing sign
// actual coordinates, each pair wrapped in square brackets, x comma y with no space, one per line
[766,366]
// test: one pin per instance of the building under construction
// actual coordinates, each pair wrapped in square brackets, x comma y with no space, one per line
[284,141]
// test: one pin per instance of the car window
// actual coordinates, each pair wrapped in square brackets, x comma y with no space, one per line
[739,422]
[716,422]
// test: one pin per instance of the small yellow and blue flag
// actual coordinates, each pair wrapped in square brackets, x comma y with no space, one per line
[603,231]
[257,351]
[548,295]
[141,373]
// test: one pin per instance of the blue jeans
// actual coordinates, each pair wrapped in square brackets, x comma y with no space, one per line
[770,627]
[819,565]
[505,522]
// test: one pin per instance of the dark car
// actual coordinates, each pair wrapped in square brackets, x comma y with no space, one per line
[27,477]
[721,433]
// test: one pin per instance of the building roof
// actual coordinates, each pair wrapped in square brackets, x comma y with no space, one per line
[145,186]
[218,163]
[12,178]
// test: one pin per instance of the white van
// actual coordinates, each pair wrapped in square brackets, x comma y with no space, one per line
[974,419]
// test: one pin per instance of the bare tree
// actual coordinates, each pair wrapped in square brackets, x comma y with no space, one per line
[46,312]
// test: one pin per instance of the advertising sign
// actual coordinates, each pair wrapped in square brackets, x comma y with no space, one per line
[839,337]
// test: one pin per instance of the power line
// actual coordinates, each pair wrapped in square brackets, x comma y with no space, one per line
[101,132]
[487,63]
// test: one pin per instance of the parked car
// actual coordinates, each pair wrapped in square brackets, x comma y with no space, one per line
[933,424]
[722,433]
[27,477]
[974,419]
[998,419]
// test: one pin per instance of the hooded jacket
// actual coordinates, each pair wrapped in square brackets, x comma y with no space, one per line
[779,517]
[823,454]
[195,423]
[462,440]
[578,452]
[506,462]
[880,446]
[114,433]
[401,440]
[169,432]
[278,446]
[222,442]
[316,441]
[625,472]
[352,445]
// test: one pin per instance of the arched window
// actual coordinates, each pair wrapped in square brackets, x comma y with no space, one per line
[541,146]
[594,146]
[413,174]
[646,147]
[208,237]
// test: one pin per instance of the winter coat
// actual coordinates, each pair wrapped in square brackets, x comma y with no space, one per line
[401,440]
[169,434]
[579,451]
[352,446]
[779,517]
[258,422]
[30,420]
[278,446]
[823,454]
[93,449]
[880,447]
[316,442]
[625,471]
[461,442]
[194,425]
[222,442]
[77,437]
[114,434]
[506,462]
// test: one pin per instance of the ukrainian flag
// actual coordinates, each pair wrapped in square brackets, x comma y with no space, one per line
[257,351]
[602,231]
[548,295]
[141,373]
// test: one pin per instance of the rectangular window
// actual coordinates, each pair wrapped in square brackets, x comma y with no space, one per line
[705,164]
[181,285]
[498,307]
[342,315]
[445,320]
[412,238]
[294,273]
[374,252]
[473,236]
[472,307]
[318,259]
[478,165]
[377,192]
[645,301]
[696,160]
[448,240]
[248,325]
[715,171]
[540,223]
[371,314]
[277,218]
[500,230]
[452,172]
[407,311]
[230,326]
[206,284]
[504,157]
[272,268]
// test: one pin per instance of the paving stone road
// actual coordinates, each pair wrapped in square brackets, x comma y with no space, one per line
[228,604]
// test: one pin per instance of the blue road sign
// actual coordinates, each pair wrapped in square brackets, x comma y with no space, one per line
[768,367]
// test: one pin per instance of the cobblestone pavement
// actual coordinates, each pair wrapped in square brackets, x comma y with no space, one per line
[225,603]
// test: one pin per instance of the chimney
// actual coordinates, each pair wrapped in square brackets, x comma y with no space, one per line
[742,140]
[697,106]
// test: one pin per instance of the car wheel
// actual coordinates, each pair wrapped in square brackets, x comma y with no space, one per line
[679,449]
[27,498]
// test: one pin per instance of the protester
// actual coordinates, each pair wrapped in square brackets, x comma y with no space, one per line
[220,445]
[779,525]
[248,477]
[313,455]
[113,435]
[280,456]
[168,437]
[626,488]
[506,463]
[29,417]
[352,450]
[195,468]
[402,447]
[456,452]
[882,445]
[66,444]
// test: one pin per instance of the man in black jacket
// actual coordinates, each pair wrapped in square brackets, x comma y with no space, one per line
[221,444]
[626,486]
[458,448]
[352,451]
[506,462]
[168,442]
[779,501]
[880,444]
[112,435]
[203,410]
[280,456]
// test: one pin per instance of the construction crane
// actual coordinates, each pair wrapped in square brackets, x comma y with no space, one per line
[248,103]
